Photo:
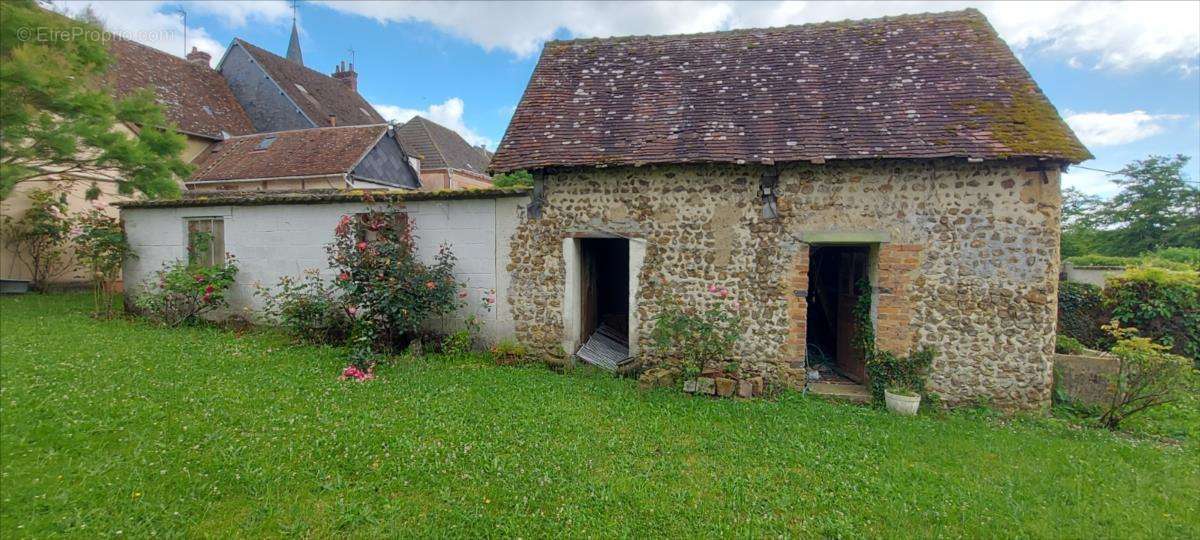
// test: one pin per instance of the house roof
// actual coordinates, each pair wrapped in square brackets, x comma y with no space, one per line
[439,147]
[915,86]
[195,97]
[317,94]
[296,153]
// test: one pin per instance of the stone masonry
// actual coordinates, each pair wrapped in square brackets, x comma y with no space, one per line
[966,261]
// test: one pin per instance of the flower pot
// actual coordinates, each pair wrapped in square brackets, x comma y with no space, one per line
[902,405]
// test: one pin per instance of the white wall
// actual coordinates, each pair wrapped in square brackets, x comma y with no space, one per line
[272,241]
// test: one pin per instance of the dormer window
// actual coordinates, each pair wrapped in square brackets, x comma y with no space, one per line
[364,111]
[265,143]
[302,89]
[206,109]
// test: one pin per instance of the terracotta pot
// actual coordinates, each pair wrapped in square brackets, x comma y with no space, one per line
[902,405]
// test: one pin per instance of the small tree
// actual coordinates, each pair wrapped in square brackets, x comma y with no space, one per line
[58,117]
[38,237]
[1147,376]
[100,246]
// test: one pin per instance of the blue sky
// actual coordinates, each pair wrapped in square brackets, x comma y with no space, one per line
[1125,75]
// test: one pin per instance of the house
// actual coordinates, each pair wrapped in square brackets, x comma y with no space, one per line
[446,160]
[342,157]
[911,158]
[194,97]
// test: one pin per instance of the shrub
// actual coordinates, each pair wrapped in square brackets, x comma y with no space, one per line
[1081,313]
[38,237]
[520,178]
[308,309]
[1067,345]
[1163,305]
[886,371]
[1147,376]
[509,352]
[183,293]
[101,247]
[393,293]
[697,338]
[1181,255]
[1177,258]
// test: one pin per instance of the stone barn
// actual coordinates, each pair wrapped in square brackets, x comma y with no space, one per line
[792,165]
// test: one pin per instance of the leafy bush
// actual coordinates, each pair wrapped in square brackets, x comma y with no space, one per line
[308,309]
[183,293]
[697,338]
[38,237]
[1067,345]
[393,293]
[1081,313]
[888,371]
[1163,305]
[101,247]
[520,178]
[1147,376]
[1182,255]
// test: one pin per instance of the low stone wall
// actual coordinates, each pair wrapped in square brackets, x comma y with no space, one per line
[281,236]
[1085,379]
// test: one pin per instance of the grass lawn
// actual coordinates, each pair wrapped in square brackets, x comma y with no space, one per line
[119,427]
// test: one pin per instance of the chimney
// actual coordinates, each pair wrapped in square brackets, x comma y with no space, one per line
[333,120]
[198,56]
[348,76]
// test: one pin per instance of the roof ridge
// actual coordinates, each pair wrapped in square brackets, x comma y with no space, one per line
[261,133]
[965,13]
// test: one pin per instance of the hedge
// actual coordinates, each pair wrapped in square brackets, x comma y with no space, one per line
[1163,305]
[1081,312]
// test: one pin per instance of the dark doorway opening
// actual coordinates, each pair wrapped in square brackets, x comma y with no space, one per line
[837,275]
[604,280]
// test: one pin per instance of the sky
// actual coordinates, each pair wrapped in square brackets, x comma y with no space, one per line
[1125,75]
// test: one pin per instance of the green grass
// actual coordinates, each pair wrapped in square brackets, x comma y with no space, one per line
[119,427]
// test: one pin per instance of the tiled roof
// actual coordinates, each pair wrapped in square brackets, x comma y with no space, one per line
[915,86]
[301,152]
[317,94]
[439,147]
[195,97]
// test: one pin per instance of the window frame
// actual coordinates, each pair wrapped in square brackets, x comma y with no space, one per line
[216,240]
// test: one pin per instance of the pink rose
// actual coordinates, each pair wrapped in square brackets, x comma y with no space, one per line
[736,305]
[352,311]
[344,276]
[430,285]
[361,246]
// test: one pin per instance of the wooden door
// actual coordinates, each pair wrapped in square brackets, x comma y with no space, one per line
[850,360]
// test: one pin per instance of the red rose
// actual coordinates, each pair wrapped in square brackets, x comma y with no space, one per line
[344,276]
[361,246]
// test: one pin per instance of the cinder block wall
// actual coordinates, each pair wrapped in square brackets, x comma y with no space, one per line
[272,241]
[968,260]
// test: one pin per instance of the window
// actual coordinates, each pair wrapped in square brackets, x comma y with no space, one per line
[370,231]
[206,241]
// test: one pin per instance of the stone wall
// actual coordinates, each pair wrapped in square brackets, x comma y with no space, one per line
[966,259]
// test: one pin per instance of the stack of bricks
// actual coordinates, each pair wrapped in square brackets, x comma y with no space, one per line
[894,307]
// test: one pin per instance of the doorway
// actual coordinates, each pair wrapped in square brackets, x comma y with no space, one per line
[837,276]
[604,301]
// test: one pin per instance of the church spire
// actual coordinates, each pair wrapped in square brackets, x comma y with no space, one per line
[293,52]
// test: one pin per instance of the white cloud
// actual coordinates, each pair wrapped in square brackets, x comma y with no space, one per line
[1090,182]
[448,113]
[1111,129]
[1107,35]
[160,25]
